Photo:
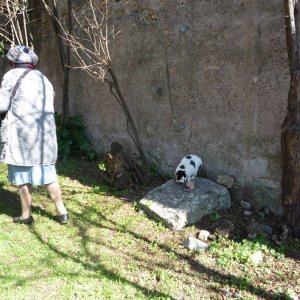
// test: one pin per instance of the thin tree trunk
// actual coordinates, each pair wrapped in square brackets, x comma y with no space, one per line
[64,56]
[66,100]
[131,128]
[290,137]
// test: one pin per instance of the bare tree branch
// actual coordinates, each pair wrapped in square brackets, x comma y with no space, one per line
[14,21]
[90,44]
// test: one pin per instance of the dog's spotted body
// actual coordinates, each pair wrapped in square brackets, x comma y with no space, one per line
[188,168]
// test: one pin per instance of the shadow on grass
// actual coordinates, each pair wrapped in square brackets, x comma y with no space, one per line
[85,172]
[231,280]
[88,173]
[9,203]
[213,275]
[99,267]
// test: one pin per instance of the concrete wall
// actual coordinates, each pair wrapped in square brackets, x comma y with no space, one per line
[201,77]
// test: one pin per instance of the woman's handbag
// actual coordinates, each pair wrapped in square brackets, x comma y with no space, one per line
[3,116]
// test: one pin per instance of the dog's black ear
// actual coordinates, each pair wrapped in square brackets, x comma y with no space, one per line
[188,157]
[180,174]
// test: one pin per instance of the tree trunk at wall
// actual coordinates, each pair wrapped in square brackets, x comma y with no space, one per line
[290,137]
[64,55]
[131,128]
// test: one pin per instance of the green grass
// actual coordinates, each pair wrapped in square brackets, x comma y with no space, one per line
[230,252]
[111,251]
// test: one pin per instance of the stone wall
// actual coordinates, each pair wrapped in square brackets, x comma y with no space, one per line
[206,77]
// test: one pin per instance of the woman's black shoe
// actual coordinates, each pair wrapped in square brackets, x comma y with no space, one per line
[27,221]
[63,219]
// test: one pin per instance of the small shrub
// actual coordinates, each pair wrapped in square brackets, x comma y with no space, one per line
[214,216]
[229,252]
[71,138]
[155,171]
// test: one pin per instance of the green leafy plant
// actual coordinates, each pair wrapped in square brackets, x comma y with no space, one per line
[214,216]
[229,252]
[103,166]
[155,171]
[71,138]
[104,189]
[110,251]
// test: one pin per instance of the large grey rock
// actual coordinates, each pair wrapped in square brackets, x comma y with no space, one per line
[177,207]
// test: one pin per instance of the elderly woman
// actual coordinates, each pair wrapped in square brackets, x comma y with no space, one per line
[28,133]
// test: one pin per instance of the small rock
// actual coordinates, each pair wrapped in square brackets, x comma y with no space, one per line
[225,228]
[212,237]
[252,236]
[180,127]
[264,212]
[203,235]
[257,257]
[227,292]
[276,240]
[184,28]
[267,229]
[194,244]
[226,180]
[279,237]
[246,205]
[254,228]
[285,232]
[247,213]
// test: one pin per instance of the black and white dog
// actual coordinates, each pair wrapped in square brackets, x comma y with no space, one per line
[188,168]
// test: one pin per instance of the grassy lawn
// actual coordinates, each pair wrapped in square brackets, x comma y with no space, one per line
[111,251]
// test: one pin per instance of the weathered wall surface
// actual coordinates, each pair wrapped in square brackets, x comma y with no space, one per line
[201,77]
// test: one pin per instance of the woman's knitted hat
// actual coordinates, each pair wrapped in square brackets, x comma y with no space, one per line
[22,55]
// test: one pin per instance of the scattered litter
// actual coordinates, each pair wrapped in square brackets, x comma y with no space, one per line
[184,28]
[245,205]
[257,257]
[194,244]
[203,235]
[247,213]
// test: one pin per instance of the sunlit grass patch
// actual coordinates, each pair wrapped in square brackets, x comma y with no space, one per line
[109,250]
